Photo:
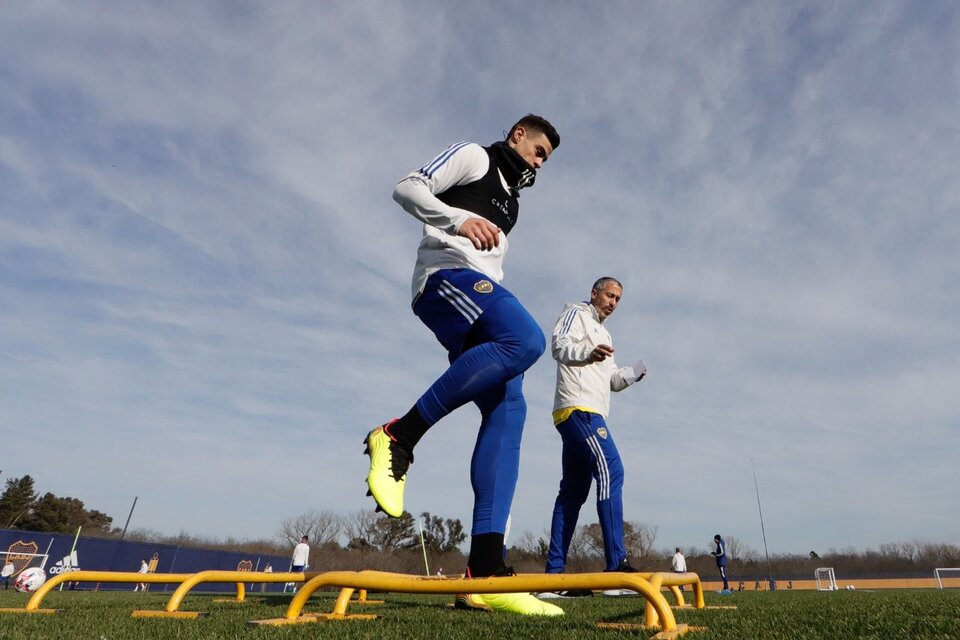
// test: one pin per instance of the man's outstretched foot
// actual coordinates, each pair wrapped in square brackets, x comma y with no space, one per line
[388,470]
[525,604]
[469,601]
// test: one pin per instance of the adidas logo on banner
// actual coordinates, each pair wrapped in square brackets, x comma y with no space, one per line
[69,563]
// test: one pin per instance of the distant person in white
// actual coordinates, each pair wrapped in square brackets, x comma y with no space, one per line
[266,569]
[300,560]
[679,564]
[8,569]
[301,555]
[144,568]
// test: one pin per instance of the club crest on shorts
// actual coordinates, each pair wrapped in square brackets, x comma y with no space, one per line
[602,432]
[483,286]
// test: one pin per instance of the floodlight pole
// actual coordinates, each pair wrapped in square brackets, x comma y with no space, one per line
[130,515]
[123,535]
[762,529]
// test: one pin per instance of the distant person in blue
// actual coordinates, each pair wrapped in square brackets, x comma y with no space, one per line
[720,555]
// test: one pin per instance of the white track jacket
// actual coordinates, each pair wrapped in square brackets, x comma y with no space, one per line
[580,382]
[441,247]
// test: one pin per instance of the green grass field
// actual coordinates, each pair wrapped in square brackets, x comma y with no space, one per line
[773,615]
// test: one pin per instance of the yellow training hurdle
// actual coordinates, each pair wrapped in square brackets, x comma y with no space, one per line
[657,612]
[192,580]
[237,577]
[648,585]
[33,604]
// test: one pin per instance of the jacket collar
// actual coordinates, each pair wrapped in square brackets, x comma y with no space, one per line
[593,311]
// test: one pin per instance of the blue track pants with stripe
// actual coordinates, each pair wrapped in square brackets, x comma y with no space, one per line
[589,453]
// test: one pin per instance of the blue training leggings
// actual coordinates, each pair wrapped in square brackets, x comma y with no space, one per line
[491,340]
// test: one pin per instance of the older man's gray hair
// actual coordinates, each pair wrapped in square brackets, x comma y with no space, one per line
[602,282]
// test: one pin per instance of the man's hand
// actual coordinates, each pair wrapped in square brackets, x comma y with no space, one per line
[601,352]
[639,370]
[483,234]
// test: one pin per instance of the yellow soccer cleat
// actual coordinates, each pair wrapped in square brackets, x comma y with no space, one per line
[525,604]
[470,601]
[388,470]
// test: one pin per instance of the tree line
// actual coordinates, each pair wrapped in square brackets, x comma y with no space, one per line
[22,507]
[892,559]
[368,540]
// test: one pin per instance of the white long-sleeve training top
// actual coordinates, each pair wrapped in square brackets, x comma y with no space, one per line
[581,383]
[441,247]
[679,563]
[301,555]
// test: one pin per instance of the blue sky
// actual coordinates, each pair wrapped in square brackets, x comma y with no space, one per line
[204,282]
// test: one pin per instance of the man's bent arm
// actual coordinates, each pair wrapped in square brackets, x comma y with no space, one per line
[623,377]
[415,198]
[416,192]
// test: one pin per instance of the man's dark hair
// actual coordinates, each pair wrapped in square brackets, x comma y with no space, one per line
[532,122]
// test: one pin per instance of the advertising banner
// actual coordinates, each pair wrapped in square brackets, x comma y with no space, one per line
[55,553]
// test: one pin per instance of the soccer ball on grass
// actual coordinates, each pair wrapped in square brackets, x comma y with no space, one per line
[30,580]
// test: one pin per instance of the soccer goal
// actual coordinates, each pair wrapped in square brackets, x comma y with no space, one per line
[826,579]
[946,581]
[13,562]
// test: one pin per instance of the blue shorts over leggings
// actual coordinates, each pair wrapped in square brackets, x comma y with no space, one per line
[491,340]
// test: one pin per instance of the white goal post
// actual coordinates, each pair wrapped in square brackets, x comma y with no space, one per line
[22,554]
[826,579]
[19,560]
[951,582]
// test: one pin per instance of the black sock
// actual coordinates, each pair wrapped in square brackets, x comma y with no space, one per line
[409,429]
[486,555]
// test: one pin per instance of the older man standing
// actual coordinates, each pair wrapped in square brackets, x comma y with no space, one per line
[586,373]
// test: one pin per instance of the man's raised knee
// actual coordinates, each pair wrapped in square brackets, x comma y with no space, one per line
[530,349]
